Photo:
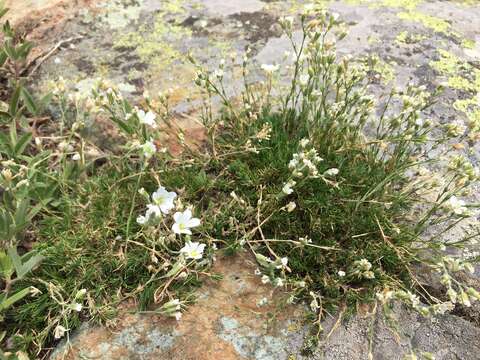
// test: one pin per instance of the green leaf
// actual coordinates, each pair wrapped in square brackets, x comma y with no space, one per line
[24,49]
[29,101]
[6,303]
[30,264]
[15,258]
[6,266]
[14,101]
[22,143]
[3,11]
[22,269]
[3,57]
[10,50]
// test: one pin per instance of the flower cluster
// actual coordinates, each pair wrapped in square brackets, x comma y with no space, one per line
[304,163]
[362,269]
[455,291]
[269,269]
[146,118]
[172,308]
[67,307]
[161,203]
[457,206]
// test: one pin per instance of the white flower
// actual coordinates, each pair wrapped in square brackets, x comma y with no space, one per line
[76,306]
[331,172]
[80,293]
[309,7]
[149,149]
[341,273]
[193,250]
[457,206]
[291,206]
[184,221]
[363,264]
[142,220]
[304,143]
[178,315]
[164,199]
[59,332]
[263,301]
[287,188]
[287,21]
[153,211]
[303,79]
[456,128]
[218,73]
[147,118]
[265,279]
[465,299]
[269,68]
[284,261]
[76,157]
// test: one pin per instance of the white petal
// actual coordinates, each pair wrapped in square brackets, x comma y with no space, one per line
[187,214]
[186,231]
[193,222]
[177,216]
[176,229]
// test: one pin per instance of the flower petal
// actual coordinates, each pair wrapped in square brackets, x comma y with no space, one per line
[193,222]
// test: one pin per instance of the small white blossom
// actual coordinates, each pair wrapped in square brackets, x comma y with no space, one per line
[178,315]
[184,222]
[265,279]
[291,206]
[193,250]
[287,187]
[149,149]
[218,73]
[457,206]
[304,143]
[59,332]
[332,172]
[147,118]
[76,157]
[164,199]
[341,273]
[303,79]
[263,301]
[269,68]
[77,307]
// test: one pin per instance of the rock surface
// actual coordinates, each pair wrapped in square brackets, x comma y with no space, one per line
[141,46]
[228,323]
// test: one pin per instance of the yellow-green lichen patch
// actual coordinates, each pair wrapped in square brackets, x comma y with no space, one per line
[403,4]
[154,45]
[380,69]
[405,37]
[462,76]
[297,7]
[431,22]
[119,15]
[448,64]
[468,44]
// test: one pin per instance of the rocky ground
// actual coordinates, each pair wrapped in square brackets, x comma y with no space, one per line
[141,45]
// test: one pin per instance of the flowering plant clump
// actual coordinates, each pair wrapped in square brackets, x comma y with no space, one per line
[335,193]
[339,203]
